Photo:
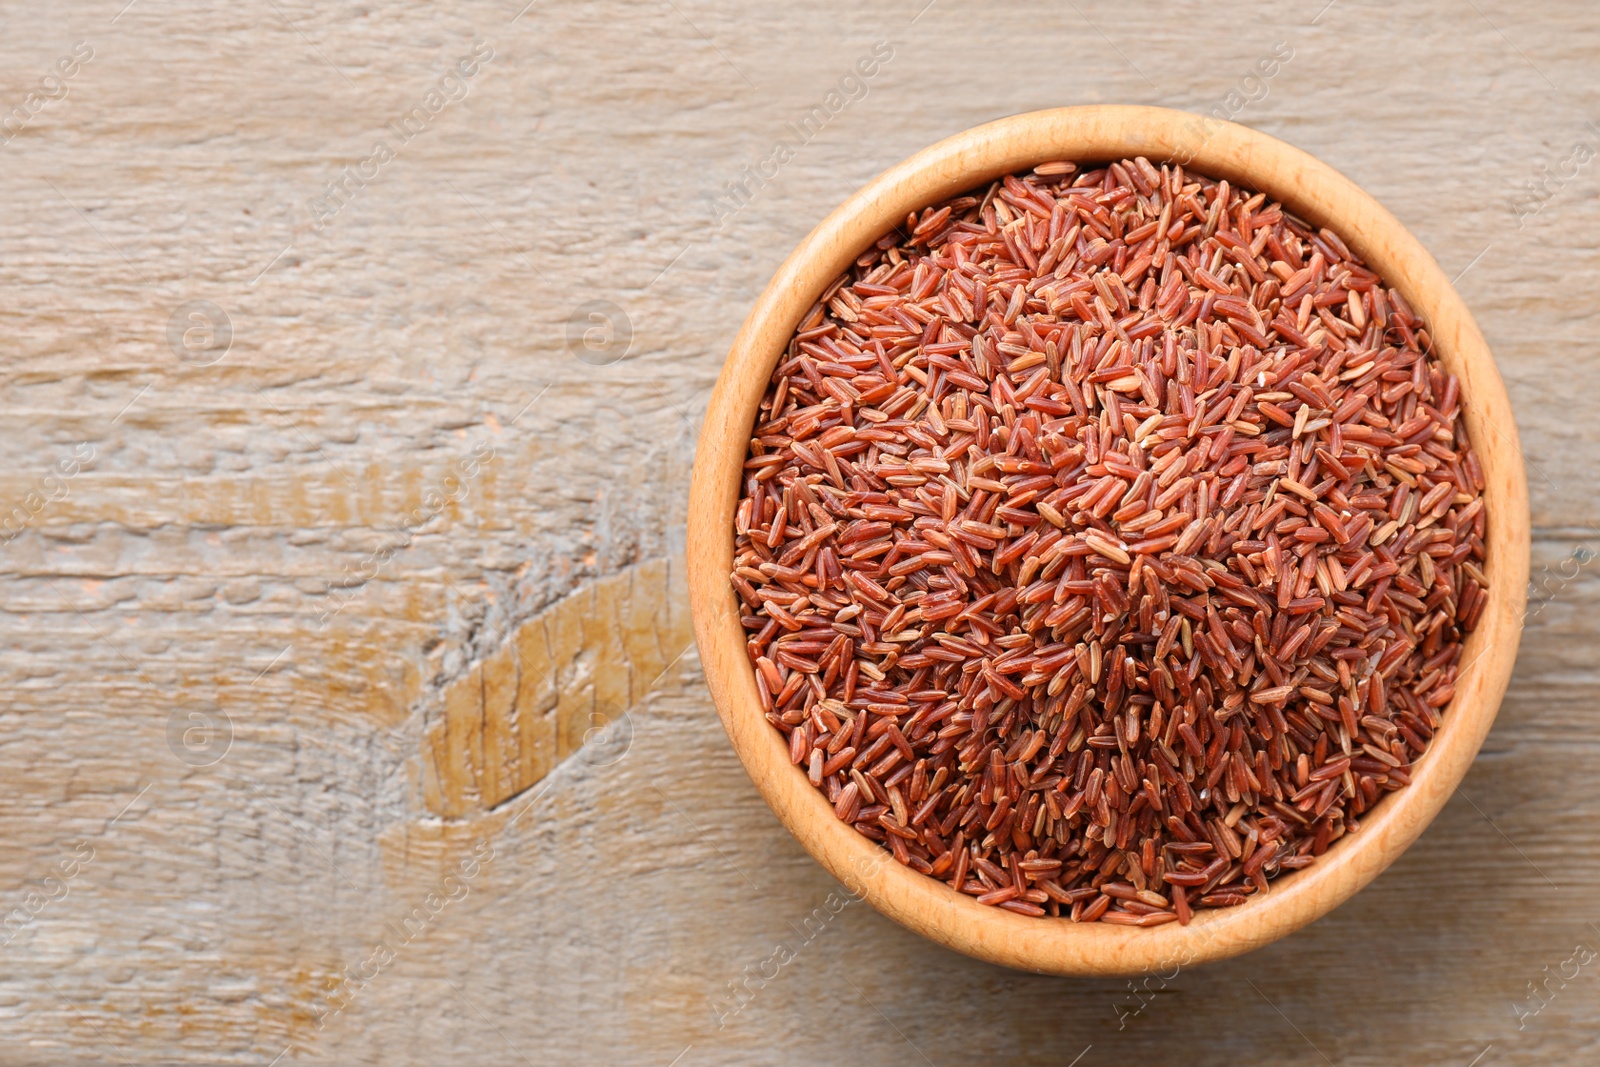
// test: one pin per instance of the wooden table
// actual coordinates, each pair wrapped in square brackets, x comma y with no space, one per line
[354,361]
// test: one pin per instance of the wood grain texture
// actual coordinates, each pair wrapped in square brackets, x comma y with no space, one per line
[563,675]
[245,536]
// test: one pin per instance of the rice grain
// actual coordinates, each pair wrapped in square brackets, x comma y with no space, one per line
[1107,541]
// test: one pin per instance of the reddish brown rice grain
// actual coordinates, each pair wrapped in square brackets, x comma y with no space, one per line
[1107,543]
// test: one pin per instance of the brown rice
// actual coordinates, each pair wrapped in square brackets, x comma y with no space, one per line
[1107,541]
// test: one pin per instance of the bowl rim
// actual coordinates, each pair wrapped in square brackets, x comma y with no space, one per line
[1315,192]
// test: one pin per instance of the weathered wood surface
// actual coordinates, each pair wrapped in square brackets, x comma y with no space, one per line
[324,542]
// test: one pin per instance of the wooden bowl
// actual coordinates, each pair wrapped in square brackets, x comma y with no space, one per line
[1312,190]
